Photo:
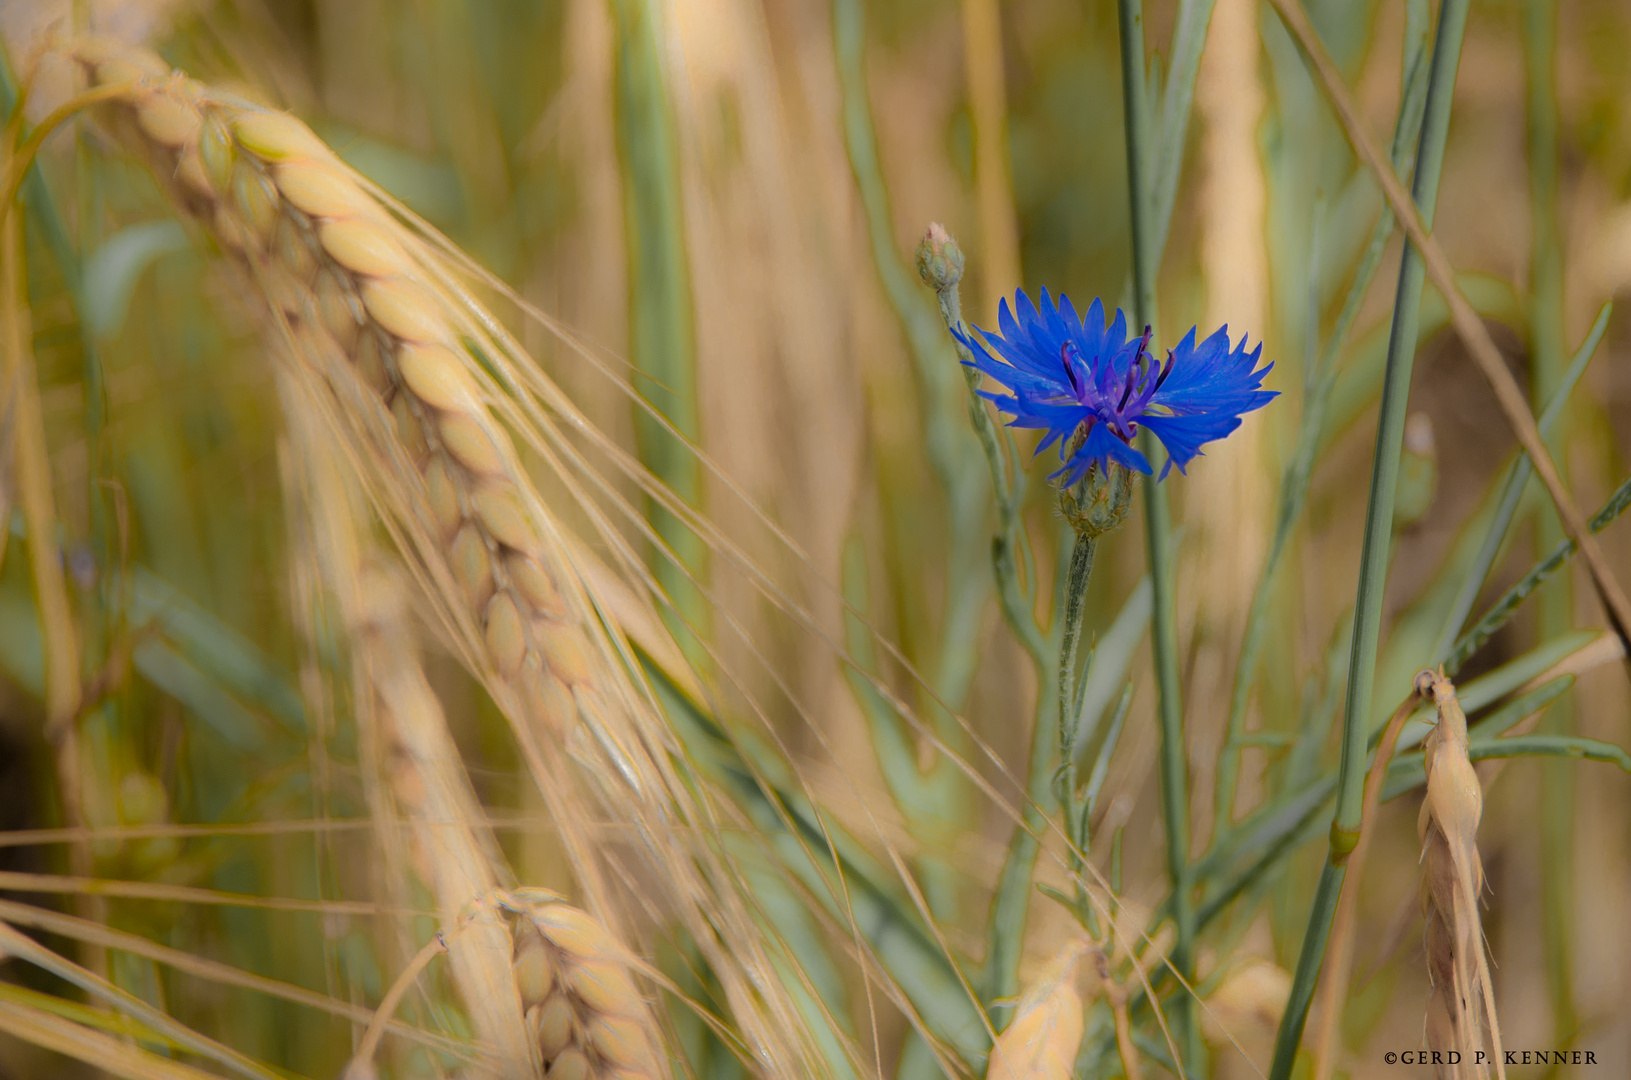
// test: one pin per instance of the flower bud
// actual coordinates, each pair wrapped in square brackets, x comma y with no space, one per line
[939,259]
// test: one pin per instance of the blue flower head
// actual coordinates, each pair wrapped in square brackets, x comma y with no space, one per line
[1070,375]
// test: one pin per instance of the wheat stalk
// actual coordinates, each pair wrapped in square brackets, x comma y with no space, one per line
[404,735]
[1452,879]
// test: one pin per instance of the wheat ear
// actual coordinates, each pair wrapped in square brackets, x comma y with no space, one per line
[343,277]
[1452,879]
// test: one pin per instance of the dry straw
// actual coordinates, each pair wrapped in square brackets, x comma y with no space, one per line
[388,351]
[1452,879]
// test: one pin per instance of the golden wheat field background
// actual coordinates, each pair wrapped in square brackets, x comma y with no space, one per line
[502,573]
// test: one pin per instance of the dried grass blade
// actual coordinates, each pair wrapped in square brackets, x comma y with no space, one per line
[13,943]
[1339,969]
[23,881]
[97,1049]
[202,967]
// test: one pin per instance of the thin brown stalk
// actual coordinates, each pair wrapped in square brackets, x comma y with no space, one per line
[209,970]
[39,511]
[362,1062]
[1339,969]
[22,881]
[110,1053]
[32,460]
[1117,996]
[1468,325]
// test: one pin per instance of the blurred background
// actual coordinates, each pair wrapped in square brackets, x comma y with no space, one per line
[723,198]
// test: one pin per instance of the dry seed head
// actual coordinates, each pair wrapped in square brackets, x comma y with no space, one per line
[405,308]
[361,246]
[335,264]
[116,63]
[1452,879]
[581,1004]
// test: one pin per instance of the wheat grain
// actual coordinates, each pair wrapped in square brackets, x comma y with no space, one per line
[582,1009]
[1452,878]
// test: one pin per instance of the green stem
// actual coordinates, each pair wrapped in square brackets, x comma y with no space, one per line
[1378,536]
[1157,535]
[1188,40]
[1017,607]
[1556,607]
[1081,568]
[1070,711]
[1503,609]
[1319,384]
[661,327]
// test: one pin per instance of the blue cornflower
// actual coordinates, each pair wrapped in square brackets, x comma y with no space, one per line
[1069,374]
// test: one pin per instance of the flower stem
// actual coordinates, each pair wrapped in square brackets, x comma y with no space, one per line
[1070,708]
[1008,907]
[1157,535]
[1378,536]
[1081,569]
[1017,607]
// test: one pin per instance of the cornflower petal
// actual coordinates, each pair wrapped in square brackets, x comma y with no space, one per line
[1069,375]
[1101,447]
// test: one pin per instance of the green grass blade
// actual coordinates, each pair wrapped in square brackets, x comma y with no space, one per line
[1112,656]
[1188,40]
[1377,543]
[1158,531]
[662,336]
[1565,746]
